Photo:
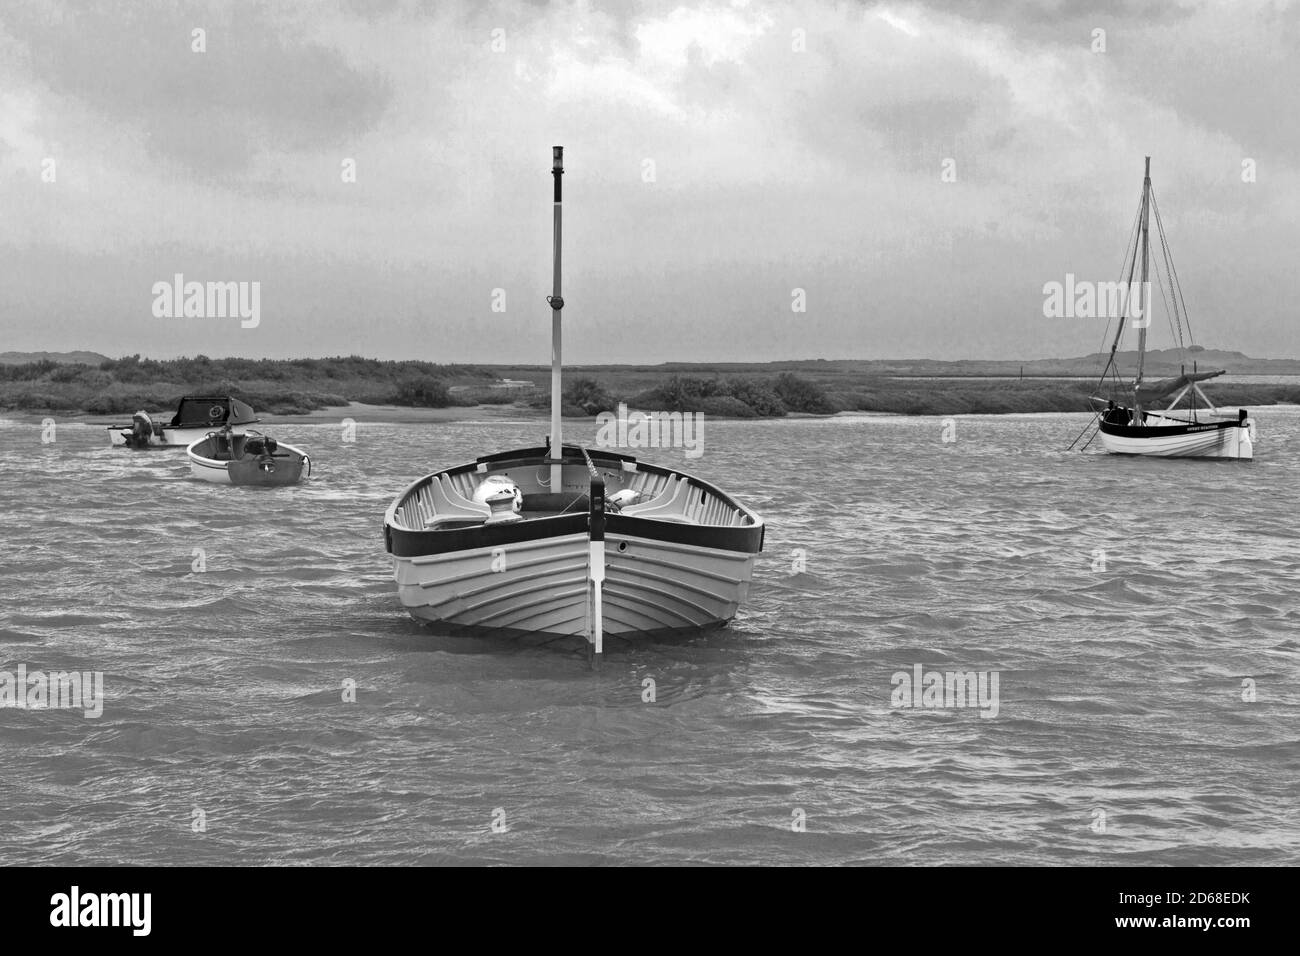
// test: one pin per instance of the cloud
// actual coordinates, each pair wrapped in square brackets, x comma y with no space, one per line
[259,84]
[720,154]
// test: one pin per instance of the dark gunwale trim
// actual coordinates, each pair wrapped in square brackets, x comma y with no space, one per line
[1167,431]
[414,544]
[403,542]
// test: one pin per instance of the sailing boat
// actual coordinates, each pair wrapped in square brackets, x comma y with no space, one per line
[564,540]
[1136,428]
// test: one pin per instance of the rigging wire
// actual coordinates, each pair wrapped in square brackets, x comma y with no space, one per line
[1164,251]
[1129,249]
[1170,303]
[1131,254]
[1129,258]
[1169,313]
[1173,272]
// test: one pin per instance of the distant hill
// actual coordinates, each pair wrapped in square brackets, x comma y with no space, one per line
[1158,362]
[63,358]
[1172,357]
[1170,361]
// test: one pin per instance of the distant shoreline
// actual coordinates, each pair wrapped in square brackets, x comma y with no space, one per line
[363,413]
[309,390]
[961,399]
[487,414]
[1165,361]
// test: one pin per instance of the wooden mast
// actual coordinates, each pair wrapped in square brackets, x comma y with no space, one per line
[1143,295]
[556,452]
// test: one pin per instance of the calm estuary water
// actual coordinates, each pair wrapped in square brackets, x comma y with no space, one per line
[1126,606]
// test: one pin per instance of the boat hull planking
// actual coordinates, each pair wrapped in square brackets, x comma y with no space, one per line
[540,586]
[1228,439]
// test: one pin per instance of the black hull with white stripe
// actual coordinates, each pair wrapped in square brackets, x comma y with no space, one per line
[1129,423]
[1163,437]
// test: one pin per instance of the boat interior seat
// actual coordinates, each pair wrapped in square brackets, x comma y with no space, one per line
[450,505]
[664,486]
[651,486]
[667,506]
[671,518]
[224,447]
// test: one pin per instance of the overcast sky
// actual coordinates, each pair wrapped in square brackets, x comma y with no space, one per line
[793,146]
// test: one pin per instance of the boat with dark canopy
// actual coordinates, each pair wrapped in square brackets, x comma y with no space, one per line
[195,416]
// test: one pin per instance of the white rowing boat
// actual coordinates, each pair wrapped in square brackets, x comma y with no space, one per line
[564,540]
[227,457]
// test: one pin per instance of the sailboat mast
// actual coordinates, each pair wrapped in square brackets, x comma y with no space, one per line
[557,303]
[1143,296]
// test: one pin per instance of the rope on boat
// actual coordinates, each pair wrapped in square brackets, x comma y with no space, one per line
[1089,441]
[1080,435]
[1175,286]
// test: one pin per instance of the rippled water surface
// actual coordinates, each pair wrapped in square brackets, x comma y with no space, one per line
[1120,687]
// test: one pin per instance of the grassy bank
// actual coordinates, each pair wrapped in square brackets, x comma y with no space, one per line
[277,387]
[299,386]
[911,397]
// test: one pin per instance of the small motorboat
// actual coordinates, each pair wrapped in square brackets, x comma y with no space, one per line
[228,457]
[196,415]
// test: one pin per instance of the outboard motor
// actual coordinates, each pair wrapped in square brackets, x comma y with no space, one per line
[141,432]
[264,447]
